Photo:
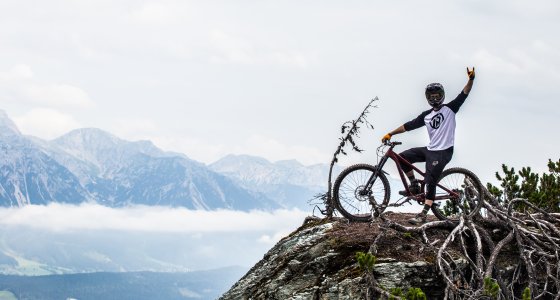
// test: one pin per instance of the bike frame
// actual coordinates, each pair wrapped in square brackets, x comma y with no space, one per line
[399,160]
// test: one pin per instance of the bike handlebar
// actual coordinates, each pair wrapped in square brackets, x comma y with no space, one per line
[392,144]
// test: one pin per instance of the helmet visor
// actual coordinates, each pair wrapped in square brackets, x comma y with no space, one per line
[435,98]
[435,95]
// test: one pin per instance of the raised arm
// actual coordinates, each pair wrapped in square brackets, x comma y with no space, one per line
[456,103]
[468,86]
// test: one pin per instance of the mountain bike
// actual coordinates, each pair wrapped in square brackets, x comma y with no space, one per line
[362,191]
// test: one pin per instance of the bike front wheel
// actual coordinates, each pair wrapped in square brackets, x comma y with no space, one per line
[351,197]
[458,193]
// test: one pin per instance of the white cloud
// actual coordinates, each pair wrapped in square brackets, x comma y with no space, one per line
[537,56]
[20,84]
[62,217]
[537,9]
[45,123]
[520,72]
[136,129]
[237,50]
[156,13]
[272,239]
[495,63]
[143,237]
[18,72]
[231,49]
[257,145]
[59,95]
[275,150]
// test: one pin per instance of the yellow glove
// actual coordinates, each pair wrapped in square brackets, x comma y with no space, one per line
[470,73]
[386,138]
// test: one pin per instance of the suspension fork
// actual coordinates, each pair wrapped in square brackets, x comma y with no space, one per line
[379,168]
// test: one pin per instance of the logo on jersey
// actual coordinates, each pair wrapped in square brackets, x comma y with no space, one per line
[436,121]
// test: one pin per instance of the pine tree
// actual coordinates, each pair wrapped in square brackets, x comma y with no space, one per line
[542,191]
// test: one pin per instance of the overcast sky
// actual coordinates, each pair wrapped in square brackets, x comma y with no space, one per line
[277,78]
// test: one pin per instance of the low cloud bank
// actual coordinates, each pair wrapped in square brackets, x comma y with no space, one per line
[137,238]
[65,217]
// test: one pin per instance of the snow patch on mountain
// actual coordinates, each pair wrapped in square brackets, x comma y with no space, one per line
[257,170]
[288,182]
[9,128]
[90,164]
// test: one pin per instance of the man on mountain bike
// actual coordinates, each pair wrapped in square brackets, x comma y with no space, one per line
[440,122]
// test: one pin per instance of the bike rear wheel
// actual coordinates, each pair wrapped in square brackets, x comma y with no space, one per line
[352,200]
[461,195]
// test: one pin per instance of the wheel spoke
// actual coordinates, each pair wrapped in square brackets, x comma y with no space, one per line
[468,194]
[351,196]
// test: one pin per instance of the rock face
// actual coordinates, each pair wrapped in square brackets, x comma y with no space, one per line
[317,261]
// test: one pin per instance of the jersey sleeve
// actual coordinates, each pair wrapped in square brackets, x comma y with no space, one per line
[417,122]
[457,102]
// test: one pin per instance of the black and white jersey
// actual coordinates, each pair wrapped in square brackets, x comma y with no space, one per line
[440,123]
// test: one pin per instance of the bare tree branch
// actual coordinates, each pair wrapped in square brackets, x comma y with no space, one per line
[349,130]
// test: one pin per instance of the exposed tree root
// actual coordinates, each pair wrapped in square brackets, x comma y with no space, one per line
[533,236]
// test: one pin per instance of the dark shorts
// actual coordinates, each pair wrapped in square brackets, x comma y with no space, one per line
[435,163]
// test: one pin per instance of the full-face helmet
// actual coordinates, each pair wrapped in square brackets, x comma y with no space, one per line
[435,94]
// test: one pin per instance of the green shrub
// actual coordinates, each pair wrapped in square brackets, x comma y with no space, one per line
[415,294]
[411,294]
[491,287]
[526,294]
[366,261]
[396,292]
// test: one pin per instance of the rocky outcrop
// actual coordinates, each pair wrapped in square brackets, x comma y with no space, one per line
[317,261]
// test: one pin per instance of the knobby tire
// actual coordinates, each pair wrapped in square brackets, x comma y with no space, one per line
[352,204]
[468,186]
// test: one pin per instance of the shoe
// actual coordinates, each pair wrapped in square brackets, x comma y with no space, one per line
[414,188]
[418,219]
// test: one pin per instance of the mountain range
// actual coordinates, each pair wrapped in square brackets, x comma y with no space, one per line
[287,182]
[209,284]
[90,164]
